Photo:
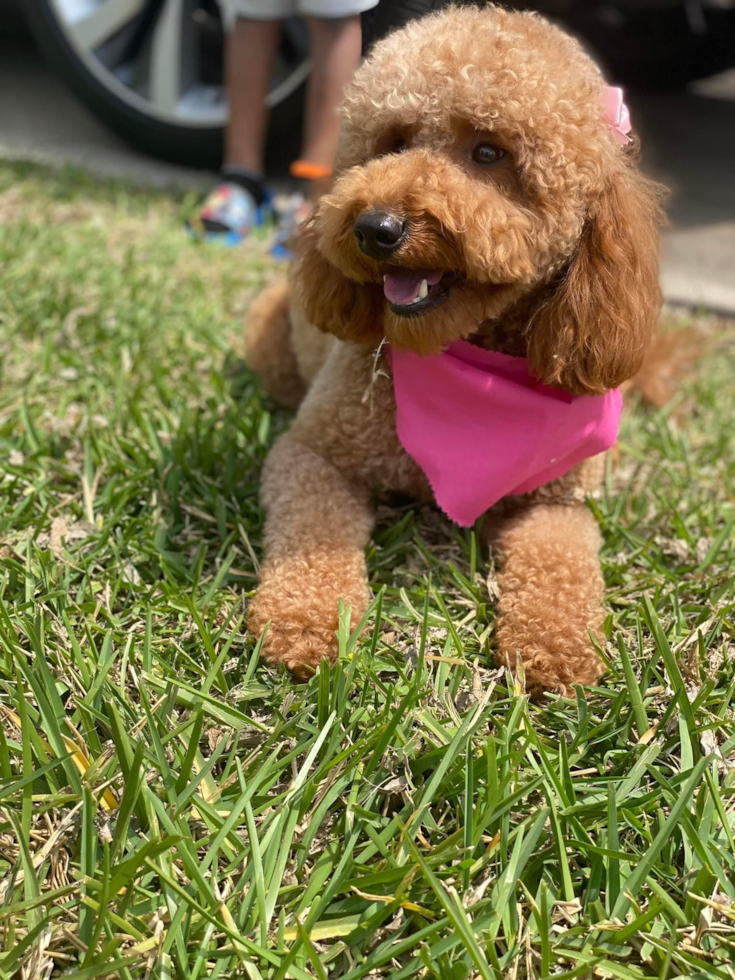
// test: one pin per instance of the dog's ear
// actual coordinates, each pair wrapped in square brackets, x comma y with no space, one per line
[593,326]
[330,301]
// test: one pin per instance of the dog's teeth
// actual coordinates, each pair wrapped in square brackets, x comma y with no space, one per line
[423,290]
[385,277]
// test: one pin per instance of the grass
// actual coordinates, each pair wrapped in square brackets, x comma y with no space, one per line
[171,808]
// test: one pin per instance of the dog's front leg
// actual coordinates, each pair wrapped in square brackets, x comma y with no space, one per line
[317,527]
[551,596]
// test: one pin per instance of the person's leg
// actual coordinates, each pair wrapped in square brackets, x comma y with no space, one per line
[238,202]
[251,49]
[335,48]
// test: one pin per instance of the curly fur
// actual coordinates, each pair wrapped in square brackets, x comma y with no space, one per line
[553,254]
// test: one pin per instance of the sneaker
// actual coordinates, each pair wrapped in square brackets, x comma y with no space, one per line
[229,214]
[291,210]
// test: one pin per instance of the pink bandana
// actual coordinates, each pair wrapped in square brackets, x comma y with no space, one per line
[481,428]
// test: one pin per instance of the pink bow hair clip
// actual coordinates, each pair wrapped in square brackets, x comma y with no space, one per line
[615,113]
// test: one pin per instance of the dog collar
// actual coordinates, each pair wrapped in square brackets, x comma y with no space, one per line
[481,428]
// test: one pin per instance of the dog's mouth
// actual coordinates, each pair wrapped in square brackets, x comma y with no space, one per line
[414,292]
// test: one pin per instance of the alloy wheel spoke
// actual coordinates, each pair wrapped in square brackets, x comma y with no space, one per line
[165,77]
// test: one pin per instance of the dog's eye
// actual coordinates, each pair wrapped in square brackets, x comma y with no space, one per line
[486,154]
[399,145]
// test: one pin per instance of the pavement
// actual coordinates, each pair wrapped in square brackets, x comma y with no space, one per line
[688,139]
[689,145]
[43,121]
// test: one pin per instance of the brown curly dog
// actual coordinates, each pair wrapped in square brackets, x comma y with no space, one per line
[473,146]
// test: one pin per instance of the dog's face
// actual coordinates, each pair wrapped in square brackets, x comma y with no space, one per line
[475,169]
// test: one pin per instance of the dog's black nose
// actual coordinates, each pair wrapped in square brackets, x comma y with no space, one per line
[379,233]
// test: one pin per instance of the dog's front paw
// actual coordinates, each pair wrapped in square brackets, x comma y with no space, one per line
[554,655]
[302,616]
[293,638]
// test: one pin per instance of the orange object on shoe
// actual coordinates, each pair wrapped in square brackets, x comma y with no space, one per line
[305,170]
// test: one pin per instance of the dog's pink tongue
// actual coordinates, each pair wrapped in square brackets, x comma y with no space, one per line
[401,286]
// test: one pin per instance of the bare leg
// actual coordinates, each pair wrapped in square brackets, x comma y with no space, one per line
[251,48]
[316,531]
[335,48]
[551,596]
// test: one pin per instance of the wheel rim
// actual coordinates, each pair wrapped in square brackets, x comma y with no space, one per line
[160,56]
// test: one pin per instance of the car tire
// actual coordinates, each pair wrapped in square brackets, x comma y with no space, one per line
[198,146]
